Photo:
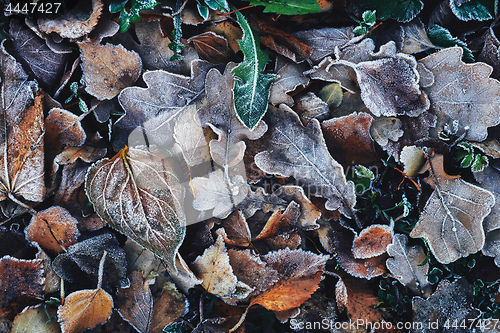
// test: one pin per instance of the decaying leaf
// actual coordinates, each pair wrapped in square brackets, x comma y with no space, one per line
[36,319]
[290,77]
[405,264]
[75,23]
[463,92]
[385,129]
[211,47]
[279,220]
[84,309]
[220,115]
[135,303]
[168,308]
[324,41]
[63,128]
[415,38]
[214,269]
[489,54]
[108,69]
[452,218]
[51,282]
[358,299]
[219,193]
[53,229]
[301,152]
[311,106]
[148,207]
[309,213]
[21,284]
[372,241]
[451,302]
[235,230]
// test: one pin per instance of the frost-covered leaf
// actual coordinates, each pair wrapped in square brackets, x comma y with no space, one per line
[451,302]
[36,319]
[251,90]
[53,229]
[220,115]
[212,47]
[108,69]
[151,111]
[311,106]
[288,7]
[323,41]
[137,193]
[478,10]
[399,10]
[490,53]
[415,38]
[489,179]
[219,192]
[452,218]
[463,92]
[442,38]
[406,264]
[290,77]
[358,299]
[168,308]
[309,213]
[235,230]
[63,128]
[301,152]
[214,269]
[372,241]
[135,303]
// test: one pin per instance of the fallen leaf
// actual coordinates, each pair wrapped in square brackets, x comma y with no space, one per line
[289,78]
[372,241]
[84,309]
[214,269]
[452,218]
[21,284]
[384,129]
[348,139]
[168,308]
[51,282]
[135,303]
[151,111]
[301,152]
[413,159]
[235,230]
[218,325]
[149,207]
[358,299]
[489,179]
[299,275]
[463,92]
[311,106]
[323,41]
[47,65]
[338,240]
[489,54]
[279,221]
[309,213]
[451,302]
[74,23]
[406,264]
[36,319]
[108,69]
[80,263]
[53,229]
[220,115]
[63,128]
[491,246]
[415,38]
[230,31]
[211,47]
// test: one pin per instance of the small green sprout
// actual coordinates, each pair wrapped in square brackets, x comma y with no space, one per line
[369,18]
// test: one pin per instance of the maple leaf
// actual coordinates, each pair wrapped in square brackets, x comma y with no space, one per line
[148,207]
[452,217]
[301,152]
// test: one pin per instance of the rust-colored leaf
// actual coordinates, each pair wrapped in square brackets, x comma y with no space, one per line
[53,229]
[357,297]
[168,308]
[63,128]
[212,47]
[235,230]
[372,241]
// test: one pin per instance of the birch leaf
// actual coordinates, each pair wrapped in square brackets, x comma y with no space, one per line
[298,151]
[251,91]
[137,194]
[452,219]
[405,263]
[463,92]
[372,241]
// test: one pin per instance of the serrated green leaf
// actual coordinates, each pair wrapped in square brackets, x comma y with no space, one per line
[134,14]
[369,17]
[251,91]
[359,31]
[442,38]
[479,10]
[288,7]
[400,10]
[480,163]
[466,146]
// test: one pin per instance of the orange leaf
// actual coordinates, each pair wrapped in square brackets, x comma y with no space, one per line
[84,309]
[372,241]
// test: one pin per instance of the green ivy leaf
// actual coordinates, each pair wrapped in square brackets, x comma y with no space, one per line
[479,10]
[442,38]
[400,10]
[117,6]
[288,7]
[251,91]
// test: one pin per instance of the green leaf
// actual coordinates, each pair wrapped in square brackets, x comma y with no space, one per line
[400,10]
[467,161]
[442,38]
[134,14]
[466,146]
[203,10]
[362,177]
[221,5]
[479,10]
[176,45]
[288,7]
[480,163]
[360,31]
[251,92]
[369,17]
[117,5]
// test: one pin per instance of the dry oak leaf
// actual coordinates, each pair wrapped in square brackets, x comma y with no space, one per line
[138,194]
[21,284]
[75,23]
[324,41]
[84,309]
[299,274]
[309,213]
[220,115]
[277,221]
[53,229]
[36,319]
[463,92]
[108,69]
[451,302]
[452,219]
[372,241]
[358,299]
[168,308]
[214,269]
[301,152]
[150,112]
[405,264]
[135,303]
[289,78]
